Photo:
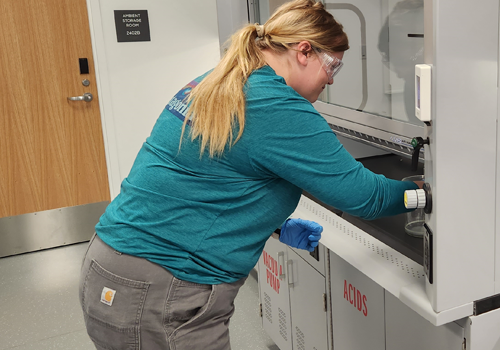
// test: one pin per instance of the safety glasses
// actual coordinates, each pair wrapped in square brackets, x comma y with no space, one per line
[331,64]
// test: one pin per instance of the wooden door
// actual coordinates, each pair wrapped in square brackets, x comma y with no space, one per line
[51,149]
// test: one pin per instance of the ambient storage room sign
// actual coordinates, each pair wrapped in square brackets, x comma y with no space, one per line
[132,25]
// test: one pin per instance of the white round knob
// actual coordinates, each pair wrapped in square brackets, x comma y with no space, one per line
[414,199]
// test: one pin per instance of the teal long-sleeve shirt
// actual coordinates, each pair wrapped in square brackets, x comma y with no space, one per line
[207,220]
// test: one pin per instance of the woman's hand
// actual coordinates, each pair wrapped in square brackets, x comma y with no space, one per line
[302,234]
[420,184]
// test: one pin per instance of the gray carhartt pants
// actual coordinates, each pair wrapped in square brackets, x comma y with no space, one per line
[131,303]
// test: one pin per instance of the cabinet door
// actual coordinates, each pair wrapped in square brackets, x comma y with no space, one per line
[357,308]
[307,302]
[316,258]
[274,294]
[405,329]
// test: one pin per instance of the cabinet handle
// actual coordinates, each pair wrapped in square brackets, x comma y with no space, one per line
[289,271]
[281,255]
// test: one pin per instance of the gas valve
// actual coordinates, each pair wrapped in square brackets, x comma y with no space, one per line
[417,143]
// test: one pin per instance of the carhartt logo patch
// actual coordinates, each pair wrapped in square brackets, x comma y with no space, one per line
[107,296]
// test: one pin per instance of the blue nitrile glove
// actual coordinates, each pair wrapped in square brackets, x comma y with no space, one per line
[302,234]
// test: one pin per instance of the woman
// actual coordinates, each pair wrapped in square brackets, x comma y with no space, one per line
[224,167]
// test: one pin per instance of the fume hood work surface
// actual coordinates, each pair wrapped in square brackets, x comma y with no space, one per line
[389,230]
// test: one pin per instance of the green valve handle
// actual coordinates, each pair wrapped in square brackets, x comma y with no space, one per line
[417,143]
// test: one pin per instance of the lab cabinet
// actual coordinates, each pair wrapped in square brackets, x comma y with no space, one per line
[274,293]
[365,316]
[357,308]
[405,329]
[308,303]
[293,297]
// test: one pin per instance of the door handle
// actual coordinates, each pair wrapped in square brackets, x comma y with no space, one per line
[282,256]
[289,271]
[87,97]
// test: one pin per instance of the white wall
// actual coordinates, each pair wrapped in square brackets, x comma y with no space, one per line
[137,79]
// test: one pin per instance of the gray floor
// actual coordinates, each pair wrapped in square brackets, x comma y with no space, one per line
[39,306]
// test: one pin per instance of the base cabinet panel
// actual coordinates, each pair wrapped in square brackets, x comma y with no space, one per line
[293,298]
[482,331]
[307,300]
[405,329]
[357,308]
[274,293]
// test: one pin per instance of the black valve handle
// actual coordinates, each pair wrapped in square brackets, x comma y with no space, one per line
[417,143]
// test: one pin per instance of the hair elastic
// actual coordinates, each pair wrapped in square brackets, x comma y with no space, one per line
[260,30]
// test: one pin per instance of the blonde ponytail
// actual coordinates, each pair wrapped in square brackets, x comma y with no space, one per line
[217,106]
[218,103]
